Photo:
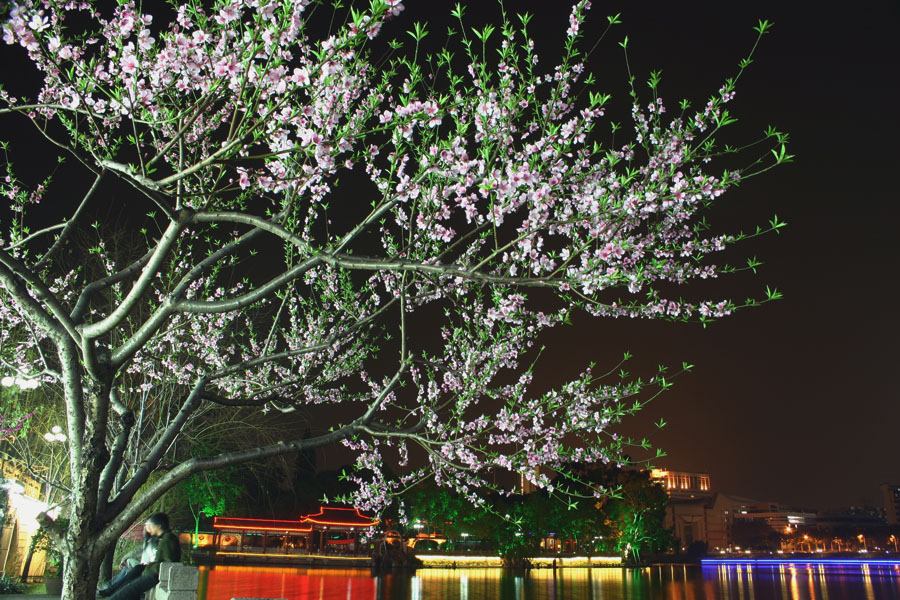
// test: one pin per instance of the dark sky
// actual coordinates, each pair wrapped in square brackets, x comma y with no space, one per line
[794,402]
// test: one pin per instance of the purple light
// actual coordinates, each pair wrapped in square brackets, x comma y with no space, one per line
[800,561]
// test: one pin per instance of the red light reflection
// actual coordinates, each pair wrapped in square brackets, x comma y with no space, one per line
[226,582]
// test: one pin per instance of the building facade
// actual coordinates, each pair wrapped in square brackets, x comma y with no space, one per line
[890,495]
[24,503]
[683,485]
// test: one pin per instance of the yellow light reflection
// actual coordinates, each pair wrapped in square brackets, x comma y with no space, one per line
[823,587]
[795,586]
[750,587]
[724,582]
[867,582]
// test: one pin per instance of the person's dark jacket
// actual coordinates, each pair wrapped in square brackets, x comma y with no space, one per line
[168,550]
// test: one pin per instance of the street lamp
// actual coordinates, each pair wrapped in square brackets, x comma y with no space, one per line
[893,540]
[22,384]
[862,539]
[55,435]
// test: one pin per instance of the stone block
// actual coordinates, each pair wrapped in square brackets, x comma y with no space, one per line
[175,594]
[182,577]
[164,569]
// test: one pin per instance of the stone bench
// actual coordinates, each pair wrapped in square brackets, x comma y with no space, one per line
[176,582]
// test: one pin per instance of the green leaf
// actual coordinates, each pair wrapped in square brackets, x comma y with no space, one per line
[485,33]
[775,224]
[419,32]
[763,27]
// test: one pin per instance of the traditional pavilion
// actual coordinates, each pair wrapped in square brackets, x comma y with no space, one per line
[331,531]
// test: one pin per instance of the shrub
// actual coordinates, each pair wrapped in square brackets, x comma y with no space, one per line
[9,585]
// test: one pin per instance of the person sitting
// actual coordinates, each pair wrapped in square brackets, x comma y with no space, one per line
[144,576]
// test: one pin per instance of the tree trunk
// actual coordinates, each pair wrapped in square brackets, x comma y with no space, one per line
[79,578]
[106,566]
[83,553]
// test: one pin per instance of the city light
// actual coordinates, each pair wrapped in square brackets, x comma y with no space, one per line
[798,561]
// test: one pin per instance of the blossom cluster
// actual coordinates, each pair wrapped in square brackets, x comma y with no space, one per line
[482,211]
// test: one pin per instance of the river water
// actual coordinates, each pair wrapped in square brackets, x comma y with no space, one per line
[726,582]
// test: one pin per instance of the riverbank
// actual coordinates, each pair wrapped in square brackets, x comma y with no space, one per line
[452,561]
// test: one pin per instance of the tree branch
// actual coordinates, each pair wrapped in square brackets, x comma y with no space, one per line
[55,322]
[67,228]
[143,282]
[117,521]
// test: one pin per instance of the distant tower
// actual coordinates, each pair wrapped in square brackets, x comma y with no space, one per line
[891,497]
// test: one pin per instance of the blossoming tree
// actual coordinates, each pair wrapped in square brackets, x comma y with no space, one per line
[323,227]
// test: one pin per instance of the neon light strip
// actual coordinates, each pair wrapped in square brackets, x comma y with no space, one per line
[341,523]
[433,558]
[255,520]
[292,555]
[798,561]
[321,513]
[250,528]
[365,521]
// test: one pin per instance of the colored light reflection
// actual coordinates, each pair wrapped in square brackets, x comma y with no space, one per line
[449,560]
[226,582]
[798,561]
[722,582]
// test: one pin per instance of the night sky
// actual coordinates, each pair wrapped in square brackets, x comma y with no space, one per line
[796,401]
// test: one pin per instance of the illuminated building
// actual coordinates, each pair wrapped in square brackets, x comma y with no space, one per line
[680,484]
[20,524]
[776,516]
[890,495]
[326,534]
[711,519]
[706,520]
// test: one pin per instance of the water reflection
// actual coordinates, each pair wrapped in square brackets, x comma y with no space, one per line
[673,582]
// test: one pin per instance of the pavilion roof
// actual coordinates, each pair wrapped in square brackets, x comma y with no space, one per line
[345,517]
[327,516]
[261,524]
